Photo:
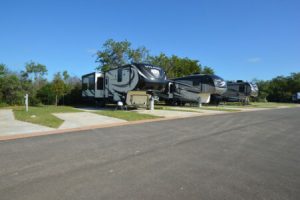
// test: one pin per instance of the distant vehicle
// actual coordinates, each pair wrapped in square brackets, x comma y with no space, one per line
[296,97]
[240,91]
[133,84]
[196,88]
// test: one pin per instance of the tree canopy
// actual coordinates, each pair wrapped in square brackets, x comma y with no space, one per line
[280,88]
[117,53]
[36,69]
[114,54]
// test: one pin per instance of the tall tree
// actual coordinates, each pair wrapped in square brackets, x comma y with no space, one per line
[139,55]
[58,87]
[117,53]
[176,66]
[36,69]
[113,54]
[66,75]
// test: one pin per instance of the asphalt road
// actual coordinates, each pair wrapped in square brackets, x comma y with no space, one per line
[254,155]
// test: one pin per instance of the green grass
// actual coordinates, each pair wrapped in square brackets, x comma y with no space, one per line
[271,105]
[196,109]
[42,115]
[126,115]
[176,109]
[260,105]
[219,109]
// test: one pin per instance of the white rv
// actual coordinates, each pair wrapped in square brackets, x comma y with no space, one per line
[132,84]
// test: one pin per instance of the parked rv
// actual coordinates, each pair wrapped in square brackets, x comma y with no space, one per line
[240,91]
[132,84]
[196,88]
[296,97]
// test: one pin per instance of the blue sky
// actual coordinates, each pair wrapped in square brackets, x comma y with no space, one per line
[240,39]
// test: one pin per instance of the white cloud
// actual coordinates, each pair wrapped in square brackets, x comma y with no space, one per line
[91,51]
[254,60]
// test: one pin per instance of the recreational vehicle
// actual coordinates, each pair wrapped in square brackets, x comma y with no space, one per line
[196,88]
[132,84]
[240,91]
[296,97]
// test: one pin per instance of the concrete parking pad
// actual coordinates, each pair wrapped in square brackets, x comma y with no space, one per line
[81,119]
[10,126]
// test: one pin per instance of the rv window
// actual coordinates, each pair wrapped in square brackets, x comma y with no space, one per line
[196,82]
[100,83]
[91,83]
[242,88]
[120,74]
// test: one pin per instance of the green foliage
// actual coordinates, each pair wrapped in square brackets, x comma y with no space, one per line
[14,86]
[66,75]
[46,95]
[207,70]
[74,95]
[176,66]
[126,115]
[138,55]
[3,69]
[58,87]
[279,89]
[117,53]
[10,89]
[37,70]
[114,54]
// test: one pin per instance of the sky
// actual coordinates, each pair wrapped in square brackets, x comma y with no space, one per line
[239,39]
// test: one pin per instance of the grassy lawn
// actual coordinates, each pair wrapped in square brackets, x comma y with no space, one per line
[126,115]
[176,109]
[219,109]
[195,109]
[271,105]
[42,115]
[260,105]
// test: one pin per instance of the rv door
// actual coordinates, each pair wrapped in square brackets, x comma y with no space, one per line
[100,88]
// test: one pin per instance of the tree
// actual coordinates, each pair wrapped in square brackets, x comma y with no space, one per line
[208,70]
[66,75]
[263,91]
[36,69]
[3,69]
[46,95]
[58,87]
[114,54]
[10,89]
[139,55]
[176,66]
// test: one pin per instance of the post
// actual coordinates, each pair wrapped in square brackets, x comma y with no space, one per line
[26,102]
[199,102]
[151,102]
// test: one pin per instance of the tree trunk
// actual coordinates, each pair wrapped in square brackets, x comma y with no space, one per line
[56,100]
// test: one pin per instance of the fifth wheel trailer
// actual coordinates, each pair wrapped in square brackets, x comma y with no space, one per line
[133,84]
[196,88]
[240,91]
